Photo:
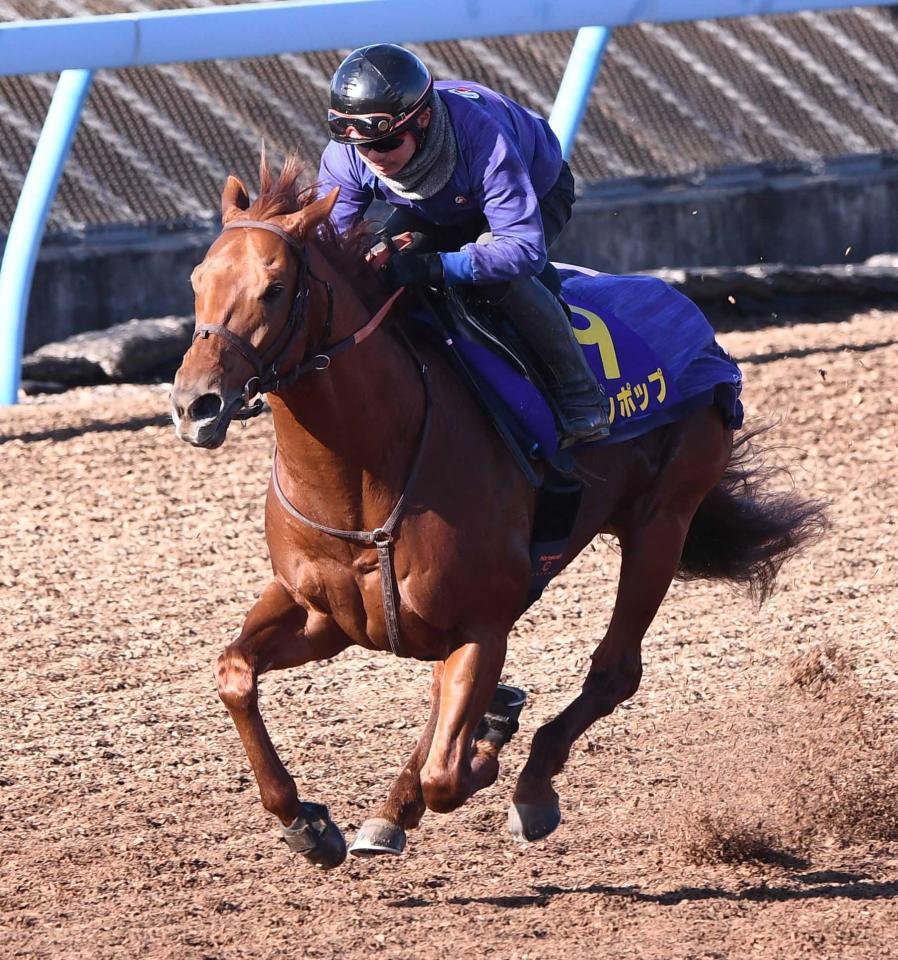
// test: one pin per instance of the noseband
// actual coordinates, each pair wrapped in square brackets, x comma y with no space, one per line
[268,377]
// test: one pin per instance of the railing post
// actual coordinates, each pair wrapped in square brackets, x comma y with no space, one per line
[29,221]
[576,85]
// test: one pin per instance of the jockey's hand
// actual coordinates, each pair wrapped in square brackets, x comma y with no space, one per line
[415,270]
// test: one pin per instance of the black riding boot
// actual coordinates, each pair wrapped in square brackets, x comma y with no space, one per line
[540,319]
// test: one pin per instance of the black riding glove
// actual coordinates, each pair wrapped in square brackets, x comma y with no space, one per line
[415,270]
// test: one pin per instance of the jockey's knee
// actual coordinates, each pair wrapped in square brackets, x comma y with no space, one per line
[236,681]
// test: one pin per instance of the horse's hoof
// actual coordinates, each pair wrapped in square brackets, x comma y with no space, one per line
[378,837]
[533,821]
[330,850]
[316,837]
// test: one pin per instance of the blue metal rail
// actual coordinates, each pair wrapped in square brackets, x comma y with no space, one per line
[576,84]
[255,30]
[81,45]
[27,227]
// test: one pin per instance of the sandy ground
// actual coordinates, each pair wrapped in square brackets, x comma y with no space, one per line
[129,824]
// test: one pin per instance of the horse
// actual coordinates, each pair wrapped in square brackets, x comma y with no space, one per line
[397,520]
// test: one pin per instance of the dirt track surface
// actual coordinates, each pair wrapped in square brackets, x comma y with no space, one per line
[129,823]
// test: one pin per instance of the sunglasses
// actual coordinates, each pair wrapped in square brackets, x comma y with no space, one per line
[387,145]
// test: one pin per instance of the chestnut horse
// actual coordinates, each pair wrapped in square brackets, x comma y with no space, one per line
[378,439]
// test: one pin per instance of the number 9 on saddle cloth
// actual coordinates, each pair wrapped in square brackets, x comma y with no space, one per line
[650,348]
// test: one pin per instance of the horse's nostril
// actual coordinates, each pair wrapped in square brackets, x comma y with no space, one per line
[206,407]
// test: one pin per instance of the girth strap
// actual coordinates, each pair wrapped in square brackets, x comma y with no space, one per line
[382,537]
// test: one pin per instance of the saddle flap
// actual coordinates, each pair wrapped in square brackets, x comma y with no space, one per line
[494,376]
[471,325]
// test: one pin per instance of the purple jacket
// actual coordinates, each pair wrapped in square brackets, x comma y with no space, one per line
[508,158]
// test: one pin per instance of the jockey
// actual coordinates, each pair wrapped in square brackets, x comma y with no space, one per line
[481,182]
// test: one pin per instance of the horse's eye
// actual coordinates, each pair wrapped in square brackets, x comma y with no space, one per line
[273,291]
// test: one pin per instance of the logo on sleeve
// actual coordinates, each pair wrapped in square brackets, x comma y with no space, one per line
[466,92]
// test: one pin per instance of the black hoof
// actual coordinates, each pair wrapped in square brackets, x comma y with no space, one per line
[532,821]
[316,837]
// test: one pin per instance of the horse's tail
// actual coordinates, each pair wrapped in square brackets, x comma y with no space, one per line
[743,532]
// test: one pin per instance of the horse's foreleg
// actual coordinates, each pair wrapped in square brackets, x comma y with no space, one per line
[405,806]
[455,767]
[274,637]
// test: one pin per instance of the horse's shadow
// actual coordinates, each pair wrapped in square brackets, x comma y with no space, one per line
[797,353]
[132,425]
[825,884]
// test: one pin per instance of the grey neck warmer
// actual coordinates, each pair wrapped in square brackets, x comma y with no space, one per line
[431,167]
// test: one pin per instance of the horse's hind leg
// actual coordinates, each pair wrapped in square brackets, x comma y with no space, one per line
[651,540]
[614,676]
[275,635]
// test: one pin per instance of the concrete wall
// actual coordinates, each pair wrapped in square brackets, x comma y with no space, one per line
[735,217]
[739,217]
[110,277]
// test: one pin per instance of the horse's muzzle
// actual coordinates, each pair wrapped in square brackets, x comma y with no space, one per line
[202,420]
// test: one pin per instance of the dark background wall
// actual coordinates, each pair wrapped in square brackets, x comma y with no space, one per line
[842,213]
[108,279]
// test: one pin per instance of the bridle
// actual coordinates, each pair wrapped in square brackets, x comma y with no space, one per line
[268,377]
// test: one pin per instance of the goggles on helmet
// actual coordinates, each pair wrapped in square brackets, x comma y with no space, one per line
[373,126]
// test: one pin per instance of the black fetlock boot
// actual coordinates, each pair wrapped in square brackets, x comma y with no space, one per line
[541,320]
[500,722]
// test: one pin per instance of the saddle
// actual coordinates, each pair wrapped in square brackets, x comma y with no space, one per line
[486,352]
[650,347]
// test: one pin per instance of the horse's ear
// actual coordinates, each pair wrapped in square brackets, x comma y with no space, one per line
[234,199]
[301,223]
[320,210]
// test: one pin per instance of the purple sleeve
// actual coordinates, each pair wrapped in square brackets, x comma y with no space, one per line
[510,206]
[338,170]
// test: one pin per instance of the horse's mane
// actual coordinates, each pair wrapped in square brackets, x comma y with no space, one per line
[289,192]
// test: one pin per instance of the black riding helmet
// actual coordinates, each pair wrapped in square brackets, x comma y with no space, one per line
[378,90]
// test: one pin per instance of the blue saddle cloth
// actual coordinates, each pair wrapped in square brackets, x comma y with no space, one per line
[651,348]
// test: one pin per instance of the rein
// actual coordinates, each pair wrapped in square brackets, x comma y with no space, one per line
[269,379]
